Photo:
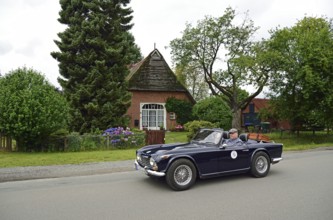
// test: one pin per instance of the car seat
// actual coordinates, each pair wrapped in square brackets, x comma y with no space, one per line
[243,137]
[226,135]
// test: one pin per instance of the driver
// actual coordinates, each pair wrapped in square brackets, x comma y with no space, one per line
[234,139]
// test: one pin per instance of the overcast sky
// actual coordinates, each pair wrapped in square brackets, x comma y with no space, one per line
[28,27]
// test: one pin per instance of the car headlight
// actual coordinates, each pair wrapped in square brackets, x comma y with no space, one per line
[153,164]
[138,158]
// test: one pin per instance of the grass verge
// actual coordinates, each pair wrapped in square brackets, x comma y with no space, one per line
[305,141]
[16,159]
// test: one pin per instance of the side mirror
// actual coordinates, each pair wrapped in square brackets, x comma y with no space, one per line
[223,146]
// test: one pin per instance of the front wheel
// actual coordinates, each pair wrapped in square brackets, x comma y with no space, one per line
[260,164]
[181,175]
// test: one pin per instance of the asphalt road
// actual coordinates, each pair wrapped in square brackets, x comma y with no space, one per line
[299,187]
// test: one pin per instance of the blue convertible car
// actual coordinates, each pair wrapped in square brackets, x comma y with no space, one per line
[207,156]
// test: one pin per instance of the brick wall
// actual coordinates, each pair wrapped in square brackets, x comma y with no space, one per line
[152,97]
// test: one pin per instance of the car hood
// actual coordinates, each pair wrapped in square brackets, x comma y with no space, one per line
[163,148]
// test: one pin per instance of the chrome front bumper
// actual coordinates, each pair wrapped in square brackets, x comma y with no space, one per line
[147,171]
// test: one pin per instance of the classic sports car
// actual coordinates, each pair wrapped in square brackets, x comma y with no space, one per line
[207,156]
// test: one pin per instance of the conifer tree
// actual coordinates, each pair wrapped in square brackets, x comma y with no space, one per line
[95,51]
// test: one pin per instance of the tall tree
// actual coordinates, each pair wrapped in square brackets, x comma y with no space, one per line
[215,110]
[95,51]
[228,57]
[190,76]
[30,108]
[302,89]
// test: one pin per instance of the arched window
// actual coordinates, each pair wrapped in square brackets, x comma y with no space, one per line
[152,116]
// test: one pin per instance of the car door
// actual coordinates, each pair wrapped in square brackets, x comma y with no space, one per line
[207,160]
[234,158]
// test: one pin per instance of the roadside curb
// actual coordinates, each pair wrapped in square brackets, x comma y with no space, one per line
[56,171]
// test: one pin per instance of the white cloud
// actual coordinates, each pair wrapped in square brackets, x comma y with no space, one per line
[29,27]
[28,30]
[5,47]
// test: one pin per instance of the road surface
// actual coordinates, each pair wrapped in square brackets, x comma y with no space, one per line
[299,187]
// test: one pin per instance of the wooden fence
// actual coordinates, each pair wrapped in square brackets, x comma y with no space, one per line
[155,137]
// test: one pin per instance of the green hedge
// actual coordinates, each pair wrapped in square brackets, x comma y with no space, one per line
[194,126]
[75,142]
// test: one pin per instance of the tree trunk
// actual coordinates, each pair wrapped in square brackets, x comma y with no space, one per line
[20,145]
[8,144]
[236,119]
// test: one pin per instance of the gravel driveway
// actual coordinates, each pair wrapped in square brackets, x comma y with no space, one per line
[39,172]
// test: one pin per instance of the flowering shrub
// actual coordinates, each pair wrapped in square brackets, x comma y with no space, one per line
[179,128]
[109,139]
[120,137]
[117,131]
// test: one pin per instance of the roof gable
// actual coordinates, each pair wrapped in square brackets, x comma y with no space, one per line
[154,74]
[260,103]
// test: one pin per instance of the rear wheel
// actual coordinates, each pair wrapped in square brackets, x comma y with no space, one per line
[181,175]
[260,164]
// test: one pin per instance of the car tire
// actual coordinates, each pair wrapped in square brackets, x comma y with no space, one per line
[260,164]
[181,175]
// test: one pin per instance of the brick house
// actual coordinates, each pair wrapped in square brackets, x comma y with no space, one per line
[250,115]
[152,82]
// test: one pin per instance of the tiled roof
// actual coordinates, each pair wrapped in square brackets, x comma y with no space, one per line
[260,103]
[153,74]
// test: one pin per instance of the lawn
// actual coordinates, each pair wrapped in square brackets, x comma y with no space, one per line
[305,141]
[15,159]
[291,142]
[176,137]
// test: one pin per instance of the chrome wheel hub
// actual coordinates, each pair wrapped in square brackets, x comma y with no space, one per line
[183,175]
[261,164]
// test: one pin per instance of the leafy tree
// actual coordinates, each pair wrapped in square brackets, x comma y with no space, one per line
[194,126]
[215,110]
[95,51]
[30,108]
[302,89]
[182,109]
[228,57]
[191,77]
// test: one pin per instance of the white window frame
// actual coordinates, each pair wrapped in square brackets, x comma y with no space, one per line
[164,115]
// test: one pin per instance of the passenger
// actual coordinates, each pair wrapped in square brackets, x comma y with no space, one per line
[234,139]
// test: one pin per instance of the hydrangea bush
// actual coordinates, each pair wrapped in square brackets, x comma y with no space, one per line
[117,137]
[120,138]
[117,131]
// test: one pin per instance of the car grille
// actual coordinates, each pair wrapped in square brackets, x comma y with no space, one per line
[144,161]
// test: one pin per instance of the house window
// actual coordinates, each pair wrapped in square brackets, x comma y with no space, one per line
[152,116]
[251,107]
[172,115]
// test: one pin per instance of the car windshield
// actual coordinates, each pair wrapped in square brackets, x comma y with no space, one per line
[208,137]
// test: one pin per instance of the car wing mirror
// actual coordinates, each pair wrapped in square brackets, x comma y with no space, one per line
[223,146]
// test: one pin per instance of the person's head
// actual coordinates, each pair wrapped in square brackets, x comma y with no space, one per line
[233,133]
